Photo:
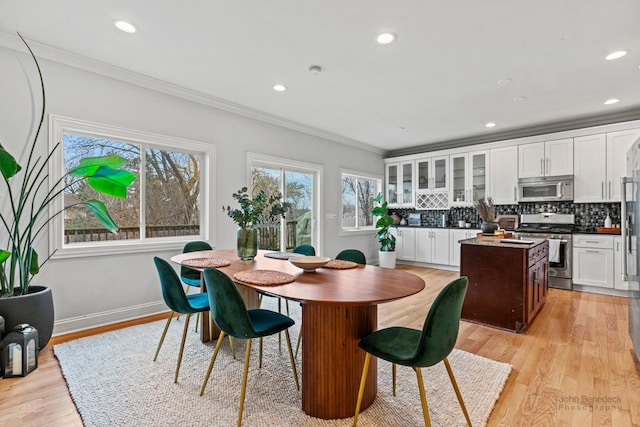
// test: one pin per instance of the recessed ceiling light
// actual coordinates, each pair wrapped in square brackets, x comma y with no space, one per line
[400,128]
[125,26]
[504,82]
[279,88]
[490,125]
[616,55]
[386,38]
[519,98]
[611,101]
[315,70]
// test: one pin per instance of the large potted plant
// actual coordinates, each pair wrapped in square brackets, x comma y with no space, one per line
[255,210]
[387,252]
[26,213]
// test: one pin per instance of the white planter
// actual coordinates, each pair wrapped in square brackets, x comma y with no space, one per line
[387,259]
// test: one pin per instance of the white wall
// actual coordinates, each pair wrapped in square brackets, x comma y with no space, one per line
[90,291]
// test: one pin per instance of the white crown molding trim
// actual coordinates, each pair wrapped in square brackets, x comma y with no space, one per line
[94,320]
[83,63]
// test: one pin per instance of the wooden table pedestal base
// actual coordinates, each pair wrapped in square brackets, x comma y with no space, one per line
[332,361]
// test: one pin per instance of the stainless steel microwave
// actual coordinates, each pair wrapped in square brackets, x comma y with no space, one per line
[545,189]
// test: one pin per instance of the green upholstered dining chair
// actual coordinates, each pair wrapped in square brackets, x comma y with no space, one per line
[189,276]
[307,250]
[353,255]
[178,302]
[232,317]
[420,349]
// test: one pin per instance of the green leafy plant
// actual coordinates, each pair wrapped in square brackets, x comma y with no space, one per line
[383,224]
[485,208]
[257,210]
[28,201]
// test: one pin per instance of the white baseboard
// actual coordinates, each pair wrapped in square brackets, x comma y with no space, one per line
[80,323]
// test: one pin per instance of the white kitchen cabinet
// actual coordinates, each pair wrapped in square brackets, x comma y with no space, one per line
[599,163]
[432,245]
[618,282]
[618,143]
[593,263]
[432,174]
[399,181]
[454,244]
[503,175]
[548,158]
[469,177]
[405,243]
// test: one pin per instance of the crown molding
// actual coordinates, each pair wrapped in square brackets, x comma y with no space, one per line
[86,64]
[576,123]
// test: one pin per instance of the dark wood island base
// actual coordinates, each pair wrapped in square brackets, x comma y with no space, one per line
[508,282]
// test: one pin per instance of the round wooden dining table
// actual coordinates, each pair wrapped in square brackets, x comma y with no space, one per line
[339,308]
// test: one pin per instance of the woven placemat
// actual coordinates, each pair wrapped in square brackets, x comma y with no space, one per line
[340,264]
[206,262]
[264,277]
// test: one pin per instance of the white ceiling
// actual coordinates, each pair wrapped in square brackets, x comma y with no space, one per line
[437,83]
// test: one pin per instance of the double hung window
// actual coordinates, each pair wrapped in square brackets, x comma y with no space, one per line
[165,205]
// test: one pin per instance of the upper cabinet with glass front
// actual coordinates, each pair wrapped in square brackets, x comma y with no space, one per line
[432,174]
[399,183]
[468,177]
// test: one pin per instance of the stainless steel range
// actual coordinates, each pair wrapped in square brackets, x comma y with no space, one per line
[557,228]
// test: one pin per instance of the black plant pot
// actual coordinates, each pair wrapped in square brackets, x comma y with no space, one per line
[489,227]
[34,308]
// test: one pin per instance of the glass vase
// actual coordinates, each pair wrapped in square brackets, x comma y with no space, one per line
[247,242]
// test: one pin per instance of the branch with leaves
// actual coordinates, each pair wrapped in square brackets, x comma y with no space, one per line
[28,206]
[257,210]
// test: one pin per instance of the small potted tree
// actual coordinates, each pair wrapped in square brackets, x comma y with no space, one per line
[387,252]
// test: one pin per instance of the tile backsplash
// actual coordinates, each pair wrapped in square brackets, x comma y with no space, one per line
[588,216]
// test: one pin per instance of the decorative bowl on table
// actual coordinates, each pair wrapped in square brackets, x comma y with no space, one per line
[309,263]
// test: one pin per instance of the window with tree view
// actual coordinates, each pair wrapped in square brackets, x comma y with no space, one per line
[358,193]
[164,201]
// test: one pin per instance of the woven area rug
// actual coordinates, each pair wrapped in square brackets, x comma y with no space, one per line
[114,382]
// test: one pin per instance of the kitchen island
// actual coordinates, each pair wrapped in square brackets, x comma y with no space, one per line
[508,281]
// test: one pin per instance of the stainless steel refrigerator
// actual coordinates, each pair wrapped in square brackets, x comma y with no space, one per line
[630,232]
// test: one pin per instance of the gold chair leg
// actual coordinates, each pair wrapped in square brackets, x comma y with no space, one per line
[244,381]
[293,362]
[197,321]
[184,337]
[423,398]
[393,378]
[279,333]
[299,341]
[213,360]
[457,390]
[260,364]
[164,333]
[363,381]
[233,350]
[210,325]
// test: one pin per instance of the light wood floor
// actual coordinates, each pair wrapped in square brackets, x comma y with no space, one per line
[572,367]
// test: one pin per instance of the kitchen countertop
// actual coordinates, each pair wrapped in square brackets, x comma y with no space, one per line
[496,242]
[592,231]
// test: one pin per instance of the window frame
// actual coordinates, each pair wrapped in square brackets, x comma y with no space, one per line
[350,231]
[59,125]
[264,160]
